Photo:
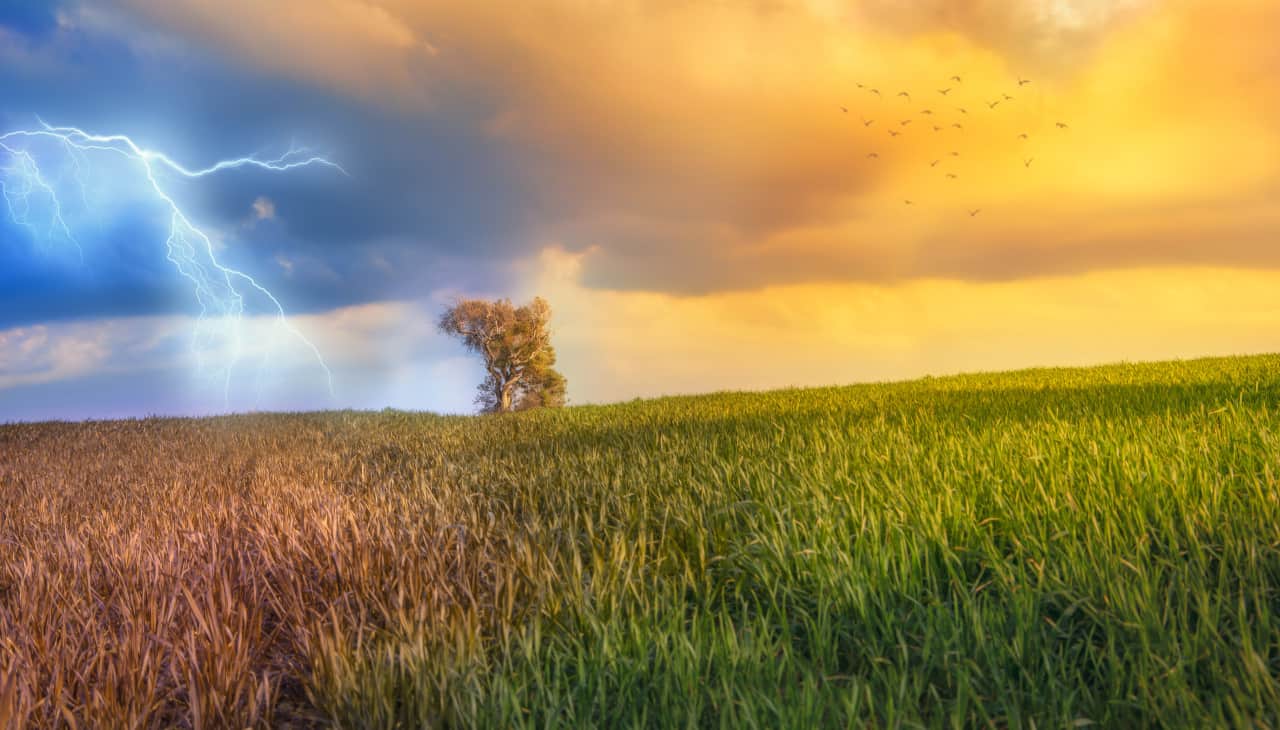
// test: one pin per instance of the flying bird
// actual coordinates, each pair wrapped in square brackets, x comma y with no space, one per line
[927,112]
[905,122]
[958,126]
[872,156]
[1008,98]
[1027,162]
[903,93]
[944,92]
[993,104]
[908,202]
[934,163]
[957,79]
[1023,82]
[975,212]
[955,154]
[860,86]
[1023,136]
[876,92]
[868,122]
[962,110]
[844,109]
[936,128]
[952,176]
[894,133]
[1062,126]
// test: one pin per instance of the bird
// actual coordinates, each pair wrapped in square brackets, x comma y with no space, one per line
[905,122]
[876,92]
[1023,136]
[1008,98]
[955,154]
[957,79]
[1023,82]
[952,176]
[1027,163]
[993,104]
[1062,126]
[908,202]
[975,212]
[934,163]
[868,122]
[944,92]
[962,110]
[927,112]
[936,128]
[844,109]
[903,93]
[873,155]
[860,86]
[894,133]
[958,126]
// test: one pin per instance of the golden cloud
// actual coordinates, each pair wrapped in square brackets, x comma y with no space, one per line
[702,146]
[615,345]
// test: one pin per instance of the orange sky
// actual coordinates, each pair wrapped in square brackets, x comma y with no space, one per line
[709,218]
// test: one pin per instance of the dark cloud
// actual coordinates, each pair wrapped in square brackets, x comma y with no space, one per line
[425,194]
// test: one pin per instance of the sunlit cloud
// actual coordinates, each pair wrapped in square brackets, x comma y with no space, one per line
[619,344]
[700,147]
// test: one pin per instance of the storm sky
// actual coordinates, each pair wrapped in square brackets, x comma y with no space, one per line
[681,180]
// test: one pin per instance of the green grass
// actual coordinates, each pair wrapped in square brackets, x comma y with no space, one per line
[1047,548]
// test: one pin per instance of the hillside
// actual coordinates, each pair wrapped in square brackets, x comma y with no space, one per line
[1051,546]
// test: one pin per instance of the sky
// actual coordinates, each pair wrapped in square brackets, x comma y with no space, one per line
[706,192]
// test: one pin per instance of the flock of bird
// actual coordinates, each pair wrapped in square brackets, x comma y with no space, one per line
[930,119]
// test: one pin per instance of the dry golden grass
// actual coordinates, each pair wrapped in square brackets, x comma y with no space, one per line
[169,573]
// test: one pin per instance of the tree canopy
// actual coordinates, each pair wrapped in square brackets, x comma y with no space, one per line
[515,343]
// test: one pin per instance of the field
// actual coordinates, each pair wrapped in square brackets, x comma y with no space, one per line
[1048,548]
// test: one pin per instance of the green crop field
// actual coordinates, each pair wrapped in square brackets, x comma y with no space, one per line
[1048,548]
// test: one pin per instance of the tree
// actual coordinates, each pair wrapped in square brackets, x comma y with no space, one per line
[516,346]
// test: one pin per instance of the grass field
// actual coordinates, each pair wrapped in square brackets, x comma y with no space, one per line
[1049,548]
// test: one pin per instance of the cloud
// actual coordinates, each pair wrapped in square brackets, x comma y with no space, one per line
[263,209]
[426,203]
[615,345]
[42,354]
[383,354]
[700,147]
[1046,36]
[359,47]
[285,264]
[697,151]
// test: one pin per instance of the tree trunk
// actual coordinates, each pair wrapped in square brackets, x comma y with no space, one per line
[502,395]
[505,390]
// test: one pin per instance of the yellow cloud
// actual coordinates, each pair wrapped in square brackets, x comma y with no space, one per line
[616,345]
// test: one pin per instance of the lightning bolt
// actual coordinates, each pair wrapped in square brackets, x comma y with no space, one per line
[32,201]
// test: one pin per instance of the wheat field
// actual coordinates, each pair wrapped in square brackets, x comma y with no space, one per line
[1046,548]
